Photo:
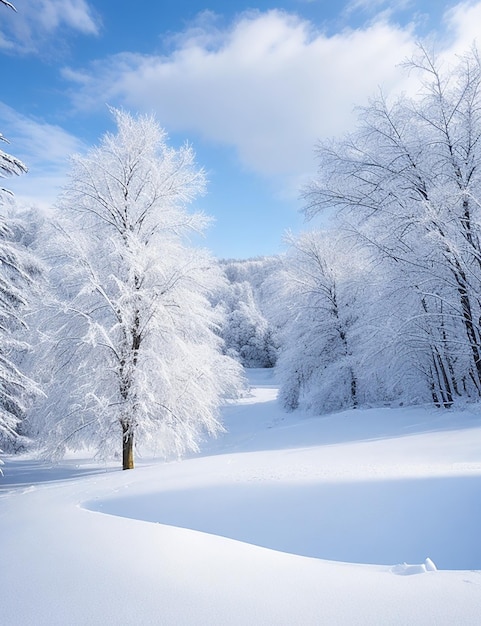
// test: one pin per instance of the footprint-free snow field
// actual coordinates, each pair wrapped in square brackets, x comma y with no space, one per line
[362,517]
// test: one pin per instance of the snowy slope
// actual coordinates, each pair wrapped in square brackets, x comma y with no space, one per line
[229,536]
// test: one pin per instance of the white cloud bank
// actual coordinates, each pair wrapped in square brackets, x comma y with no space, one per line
[270,85]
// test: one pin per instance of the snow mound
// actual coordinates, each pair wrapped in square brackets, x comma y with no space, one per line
[404,569]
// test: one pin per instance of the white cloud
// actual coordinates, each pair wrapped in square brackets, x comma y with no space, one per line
[269,86]
[374,6]
[463,21]
[30,29]
[75,14]
[45,149]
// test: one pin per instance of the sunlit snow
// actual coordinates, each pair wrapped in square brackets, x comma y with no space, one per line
[387,501]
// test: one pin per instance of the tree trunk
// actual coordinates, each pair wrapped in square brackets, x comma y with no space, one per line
[469,324]
[443,379]
[353,389]
[127,448]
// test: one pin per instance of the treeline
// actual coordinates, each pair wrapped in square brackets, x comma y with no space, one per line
[385,305]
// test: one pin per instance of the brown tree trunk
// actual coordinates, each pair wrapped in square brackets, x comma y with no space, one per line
[127,448]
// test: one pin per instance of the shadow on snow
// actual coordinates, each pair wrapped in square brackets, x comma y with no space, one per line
[383,522]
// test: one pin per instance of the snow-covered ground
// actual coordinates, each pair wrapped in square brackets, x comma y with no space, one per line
[284,520]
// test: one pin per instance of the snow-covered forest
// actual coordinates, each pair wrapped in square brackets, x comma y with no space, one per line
[120,334]
[122,340]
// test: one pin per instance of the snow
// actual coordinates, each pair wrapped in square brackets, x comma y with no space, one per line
[403,569]
[361,518]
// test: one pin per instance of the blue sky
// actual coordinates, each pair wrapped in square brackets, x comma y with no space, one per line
[252,86]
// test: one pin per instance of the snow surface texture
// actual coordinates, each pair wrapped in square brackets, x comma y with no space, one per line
[227,537]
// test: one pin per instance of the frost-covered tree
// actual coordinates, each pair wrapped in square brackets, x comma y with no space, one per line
[247,332]
[17,272]
[9,165]
[137,359]
[407,183]
[8,4]
[317,308]
[256,272]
